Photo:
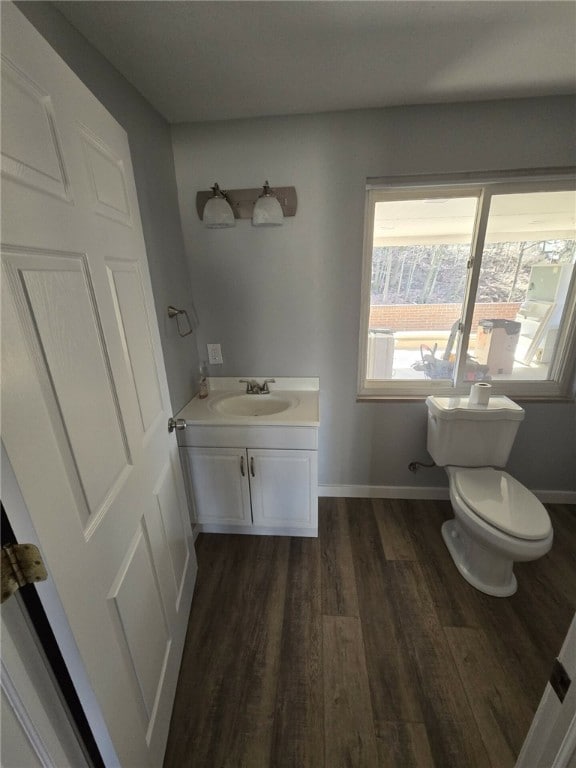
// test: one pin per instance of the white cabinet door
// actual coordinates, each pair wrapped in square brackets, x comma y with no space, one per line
[219,483]
[85,401]
[283,487]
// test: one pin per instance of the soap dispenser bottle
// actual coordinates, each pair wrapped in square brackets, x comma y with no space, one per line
[203,382]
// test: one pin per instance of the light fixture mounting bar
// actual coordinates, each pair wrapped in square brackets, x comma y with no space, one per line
[242,200]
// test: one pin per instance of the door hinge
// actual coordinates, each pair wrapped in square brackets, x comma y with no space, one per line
[560,680]
[469,263]
[21,564]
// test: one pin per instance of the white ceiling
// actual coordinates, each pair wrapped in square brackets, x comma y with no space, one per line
[197,61]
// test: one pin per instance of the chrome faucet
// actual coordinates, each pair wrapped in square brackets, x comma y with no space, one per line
[254,388]
[250,386]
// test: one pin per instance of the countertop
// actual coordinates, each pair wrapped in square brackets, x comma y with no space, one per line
[303,391]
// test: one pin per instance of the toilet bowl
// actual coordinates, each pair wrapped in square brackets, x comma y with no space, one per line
[497,522]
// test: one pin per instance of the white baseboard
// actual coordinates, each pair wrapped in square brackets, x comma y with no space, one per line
[384,491]
[423,492]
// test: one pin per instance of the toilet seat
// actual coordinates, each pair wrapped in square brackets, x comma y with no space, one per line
[503,502]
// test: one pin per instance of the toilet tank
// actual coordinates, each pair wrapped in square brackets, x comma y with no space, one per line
[464,435]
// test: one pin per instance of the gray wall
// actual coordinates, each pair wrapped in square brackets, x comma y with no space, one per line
[286,301]
[151,150]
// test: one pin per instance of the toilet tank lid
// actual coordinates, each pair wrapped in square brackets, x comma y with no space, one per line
[498,408]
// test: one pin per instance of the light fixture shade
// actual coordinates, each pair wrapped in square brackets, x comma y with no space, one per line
[267,210]
[217,212]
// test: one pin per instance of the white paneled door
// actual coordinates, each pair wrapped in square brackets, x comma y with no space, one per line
[551,740]
[85,403]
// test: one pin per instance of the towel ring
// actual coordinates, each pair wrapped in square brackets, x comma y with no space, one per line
[174,312]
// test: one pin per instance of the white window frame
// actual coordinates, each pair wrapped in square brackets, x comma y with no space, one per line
[559,385]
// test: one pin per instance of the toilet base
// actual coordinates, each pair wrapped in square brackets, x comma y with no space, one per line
[484,569]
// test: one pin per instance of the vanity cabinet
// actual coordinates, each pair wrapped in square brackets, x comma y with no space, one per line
[251,489]
[263,488]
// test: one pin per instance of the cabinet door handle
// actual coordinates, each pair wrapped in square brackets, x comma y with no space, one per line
[252,466]
[242,466]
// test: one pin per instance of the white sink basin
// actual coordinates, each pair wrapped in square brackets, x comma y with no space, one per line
[252,405]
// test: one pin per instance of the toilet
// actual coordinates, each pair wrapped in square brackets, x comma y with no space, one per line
[497,521]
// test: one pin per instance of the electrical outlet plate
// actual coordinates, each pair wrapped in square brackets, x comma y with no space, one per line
[214,354]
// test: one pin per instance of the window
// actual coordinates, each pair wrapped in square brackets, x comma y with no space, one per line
[467,282]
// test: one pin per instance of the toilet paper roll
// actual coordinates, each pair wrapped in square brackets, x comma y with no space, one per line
[480,393]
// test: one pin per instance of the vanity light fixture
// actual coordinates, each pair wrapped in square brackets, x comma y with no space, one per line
[217,212]
[267,210]
[264,206]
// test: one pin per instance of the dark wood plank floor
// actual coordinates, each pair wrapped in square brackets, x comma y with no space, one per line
[364,648]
